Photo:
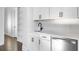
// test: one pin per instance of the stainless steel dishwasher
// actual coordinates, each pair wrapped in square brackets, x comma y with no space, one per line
[64,44]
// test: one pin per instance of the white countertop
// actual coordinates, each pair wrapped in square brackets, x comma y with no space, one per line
[59,35]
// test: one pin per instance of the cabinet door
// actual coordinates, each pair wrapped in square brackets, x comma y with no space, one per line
[45,45]
[34,44]
[70,12]
[40,13]
[54,12]
[65,12]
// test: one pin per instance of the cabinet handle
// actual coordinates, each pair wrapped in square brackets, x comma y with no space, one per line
[44,37]
[39,42]
[32,39]
[60,14]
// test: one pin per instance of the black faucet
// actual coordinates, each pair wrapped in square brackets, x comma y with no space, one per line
[40,25]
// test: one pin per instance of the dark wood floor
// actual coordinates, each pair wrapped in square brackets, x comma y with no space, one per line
[11,44]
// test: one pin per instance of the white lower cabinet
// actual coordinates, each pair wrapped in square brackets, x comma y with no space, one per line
[35,43]
[40,43]
[44,45]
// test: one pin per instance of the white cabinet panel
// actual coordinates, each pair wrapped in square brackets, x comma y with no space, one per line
[40,13]
[65,12]
[44,45]
[40,42]
[34,43]
[70,12]
[36,13]
[54,12]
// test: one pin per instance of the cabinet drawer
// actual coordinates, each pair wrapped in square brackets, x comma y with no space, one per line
[44,36]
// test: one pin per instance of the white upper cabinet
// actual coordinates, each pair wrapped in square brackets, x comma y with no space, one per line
[40,13]
[70,12]
[65,12]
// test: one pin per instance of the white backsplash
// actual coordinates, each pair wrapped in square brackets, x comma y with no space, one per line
[59,29]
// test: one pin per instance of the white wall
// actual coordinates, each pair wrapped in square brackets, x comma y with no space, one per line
[71,30]
[1,25]
[11,21]
[25,24]
[8,21]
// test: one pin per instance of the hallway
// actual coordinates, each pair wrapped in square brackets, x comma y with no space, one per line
[11,44]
